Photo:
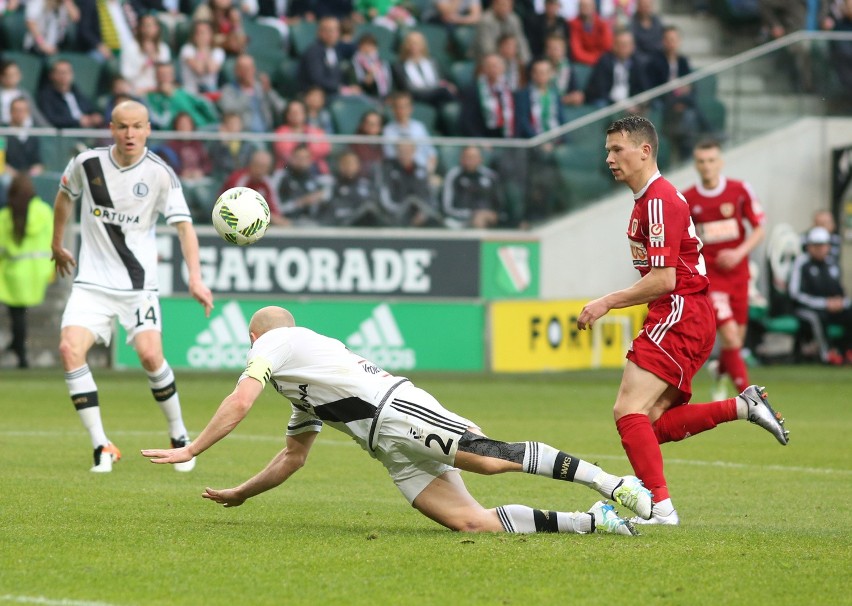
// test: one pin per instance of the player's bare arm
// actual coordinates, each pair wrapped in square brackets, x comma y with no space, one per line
[730,257]
[285,464]
[230,413]
[189,248]
[656,283]
[62,208]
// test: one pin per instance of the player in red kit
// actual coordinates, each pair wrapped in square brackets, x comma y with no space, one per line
[678,333]
[720,208]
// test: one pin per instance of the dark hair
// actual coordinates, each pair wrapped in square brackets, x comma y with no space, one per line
[708,143]
[639,129]
[368,38]
[363,120]
[670,28]
[21,191]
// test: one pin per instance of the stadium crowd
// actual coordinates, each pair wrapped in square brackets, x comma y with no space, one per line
[407,70]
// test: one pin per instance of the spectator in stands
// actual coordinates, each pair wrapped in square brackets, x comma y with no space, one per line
[258,176]
[617,75]
[295,124]
[403,126]
[617,12]
[48,25]
[140,57]
[369,71]
[201,61]
[453,13]
[317,114]
[354,201]
[419,74]
[105,27]
[591,36]
[10,89]
[816,289]
[302,190]
[516,70]
[538,107]
[370,155]
[488,109]
[782,17]
[228,32]
[406,194]
[252,96]
[62,104]
[232,151]
[390,14]
[825,219]
[119,90]
[23,152]
[542,26]
[194,162]
[471,192]
[564,75]
[837,16]
[320,63]
[496,21]
[647,28]
[274,13]
[169,100]
[26,228]
[682,119]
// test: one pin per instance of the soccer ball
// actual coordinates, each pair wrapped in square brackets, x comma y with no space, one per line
[241,216]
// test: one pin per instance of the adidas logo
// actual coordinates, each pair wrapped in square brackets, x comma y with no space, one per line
[379,340]
[224,344]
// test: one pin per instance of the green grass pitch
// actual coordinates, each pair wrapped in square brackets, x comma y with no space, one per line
[761,523]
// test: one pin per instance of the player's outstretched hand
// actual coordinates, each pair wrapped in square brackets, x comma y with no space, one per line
[169,455]
[227,497]
[64,260]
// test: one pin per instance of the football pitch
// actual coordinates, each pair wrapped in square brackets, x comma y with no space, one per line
[761,523]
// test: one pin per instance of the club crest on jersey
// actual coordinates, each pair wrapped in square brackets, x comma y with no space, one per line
[110,216]
[634,226]
[657,232]
[727,209]
[140,190]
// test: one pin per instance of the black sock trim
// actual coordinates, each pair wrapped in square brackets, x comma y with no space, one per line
[565,467]
[161,394]
[88,399]
[545,521]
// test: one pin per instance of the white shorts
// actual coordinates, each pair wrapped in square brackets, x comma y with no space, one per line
[136,310]
[417,439]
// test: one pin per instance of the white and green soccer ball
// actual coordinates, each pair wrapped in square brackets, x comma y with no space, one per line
[241,216]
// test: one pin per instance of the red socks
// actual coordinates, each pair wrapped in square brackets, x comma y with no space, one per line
[643,452]
[689,419]
[731,361]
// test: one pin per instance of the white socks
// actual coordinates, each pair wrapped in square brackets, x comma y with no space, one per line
[84,396]
[162,382]
[525,520]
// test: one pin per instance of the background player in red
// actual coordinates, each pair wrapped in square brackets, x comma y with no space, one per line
[678,332]
[720,208]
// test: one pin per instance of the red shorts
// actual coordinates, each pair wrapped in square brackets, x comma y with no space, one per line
[730,302]
[675,340]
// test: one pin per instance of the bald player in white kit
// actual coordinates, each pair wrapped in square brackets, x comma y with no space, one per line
[418,441]
[122,188]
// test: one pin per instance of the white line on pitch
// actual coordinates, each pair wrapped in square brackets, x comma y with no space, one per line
[28,599]
[589,457]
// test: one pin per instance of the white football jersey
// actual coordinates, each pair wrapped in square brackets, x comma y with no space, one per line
[324,381]
[118,216]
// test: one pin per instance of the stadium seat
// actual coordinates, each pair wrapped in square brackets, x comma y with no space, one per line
[263,40]
[57,151]
[715,113]
[585,186]
[347,111]
[462,73]
[450,115]
[285,79]
[426,114]
[706,87]
[580,157]
[302,35]
[87,73]
[582,73]
[14,29]
[46,185]
[463,36]
[572,112]
[31,66]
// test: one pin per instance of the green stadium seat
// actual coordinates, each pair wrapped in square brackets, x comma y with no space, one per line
[302,35]
[426,114]
[450,115]
[347,111]
[14,29]
[87,72]
[706,87]
[462,73]
[32,67]
[582,73]
[263,40]
[463,36]
[57,151]
[285,79]
[584,186]
[46,185]
[715,113]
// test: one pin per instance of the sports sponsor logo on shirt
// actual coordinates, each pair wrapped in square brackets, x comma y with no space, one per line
[379,340]
[224,343]
[111,216]
[639,254]
[657,232]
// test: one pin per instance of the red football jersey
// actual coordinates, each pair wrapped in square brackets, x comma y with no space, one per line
[720,216]
[662,234]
